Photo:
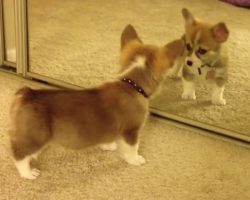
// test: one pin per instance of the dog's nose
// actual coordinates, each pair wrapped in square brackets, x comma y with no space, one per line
[189,63]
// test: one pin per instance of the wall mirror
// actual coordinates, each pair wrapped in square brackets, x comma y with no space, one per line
[77,42]
[7,35]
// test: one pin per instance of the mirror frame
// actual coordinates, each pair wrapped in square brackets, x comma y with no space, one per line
[1,34]
[6,65]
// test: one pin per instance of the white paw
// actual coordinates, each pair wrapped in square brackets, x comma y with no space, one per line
[189,96]
[135,160]
[220,102]
[32,174]
[109,147]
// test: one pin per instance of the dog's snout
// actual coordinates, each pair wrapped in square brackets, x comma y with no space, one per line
[189,63]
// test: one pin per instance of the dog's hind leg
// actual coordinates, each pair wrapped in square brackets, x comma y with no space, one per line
[27,140]
[30,131]
[23,152]
[24,168]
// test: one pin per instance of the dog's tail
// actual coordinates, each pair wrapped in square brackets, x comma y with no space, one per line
[23,91]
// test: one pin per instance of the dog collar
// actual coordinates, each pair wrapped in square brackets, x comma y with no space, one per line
[211,72]
[135,86]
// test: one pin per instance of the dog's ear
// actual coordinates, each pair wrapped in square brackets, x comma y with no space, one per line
[175,48]
[165,59]
[129,33]
[188,17]
[220,32]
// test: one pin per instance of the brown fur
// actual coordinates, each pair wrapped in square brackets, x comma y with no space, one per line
[76,119]
[88,117]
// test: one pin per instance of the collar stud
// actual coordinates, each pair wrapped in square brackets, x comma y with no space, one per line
[135,86]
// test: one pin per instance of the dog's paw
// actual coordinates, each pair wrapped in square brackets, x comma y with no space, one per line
[32,174]
[220,102]
[109,147]
[135,160]
[188,96]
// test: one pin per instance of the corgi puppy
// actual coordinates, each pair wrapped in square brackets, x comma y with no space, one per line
[204,59]
[110,115]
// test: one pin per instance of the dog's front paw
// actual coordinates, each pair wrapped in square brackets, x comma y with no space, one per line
[31,174]
[135,160]
[191,96]
[220,102]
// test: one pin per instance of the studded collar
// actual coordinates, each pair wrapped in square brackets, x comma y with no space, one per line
[135,86]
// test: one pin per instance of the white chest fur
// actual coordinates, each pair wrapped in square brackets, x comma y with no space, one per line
[203,72]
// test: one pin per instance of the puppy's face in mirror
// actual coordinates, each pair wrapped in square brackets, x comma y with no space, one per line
[203,40]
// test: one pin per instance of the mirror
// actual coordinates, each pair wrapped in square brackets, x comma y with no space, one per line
[176,97]
[78,42]
[9,31]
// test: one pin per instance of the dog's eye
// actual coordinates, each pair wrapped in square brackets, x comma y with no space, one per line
[189,48]
[202,51]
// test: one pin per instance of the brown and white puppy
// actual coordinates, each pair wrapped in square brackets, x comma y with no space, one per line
[110,115]
[204,58]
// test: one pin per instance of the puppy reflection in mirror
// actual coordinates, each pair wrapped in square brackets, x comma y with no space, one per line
[204,59]
[110,115]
